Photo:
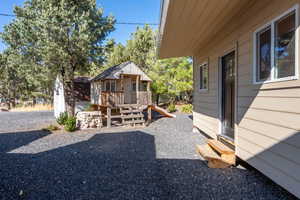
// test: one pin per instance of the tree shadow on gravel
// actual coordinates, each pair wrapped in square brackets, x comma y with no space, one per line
[119,166]
[13,140]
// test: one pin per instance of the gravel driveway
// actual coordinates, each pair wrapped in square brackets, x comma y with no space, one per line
[15,121]
[157,162]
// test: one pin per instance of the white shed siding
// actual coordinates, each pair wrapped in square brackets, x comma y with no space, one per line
[59,98]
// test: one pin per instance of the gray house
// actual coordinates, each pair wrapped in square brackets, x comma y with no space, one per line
[246,78]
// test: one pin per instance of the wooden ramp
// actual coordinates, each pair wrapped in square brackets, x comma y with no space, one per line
[217,154]
[162,111]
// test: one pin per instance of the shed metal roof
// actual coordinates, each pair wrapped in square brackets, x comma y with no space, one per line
[114,72]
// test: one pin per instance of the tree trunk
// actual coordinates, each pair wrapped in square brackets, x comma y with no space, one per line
[69,95]
[8,104]
[157,99]
[13,102]
[33,101]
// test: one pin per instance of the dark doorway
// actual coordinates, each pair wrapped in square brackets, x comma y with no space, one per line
[228,94]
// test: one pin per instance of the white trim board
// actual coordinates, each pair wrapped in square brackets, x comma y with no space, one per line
[272,26]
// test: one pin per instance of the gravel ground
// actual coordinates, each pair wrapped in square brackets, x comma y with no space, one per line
[17,121]
[156,162]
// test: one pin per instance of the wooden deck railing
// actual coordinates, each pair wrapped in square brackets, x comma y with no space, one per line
[112,98]
[117,98]
[145,98]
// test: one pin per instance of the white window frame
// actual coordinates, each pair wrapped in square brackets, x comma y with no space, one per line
[272,25]
[200,66]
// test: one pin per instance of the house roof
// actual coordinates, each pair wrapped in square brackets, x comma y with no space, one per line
[82,79]
[114,72]
[186,27]
[82,90]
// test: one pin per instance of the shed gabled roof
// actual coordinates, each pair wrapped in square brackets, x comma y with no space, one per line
[81,79]
[124,68]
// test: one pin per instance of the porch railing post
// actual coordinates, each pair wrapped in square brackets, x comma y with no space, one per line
[108,117]
[149,96]
[122,89]
[137,89]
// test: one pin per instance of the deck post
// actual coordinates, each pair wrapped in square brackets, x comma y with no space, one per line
[108,117]
[149,114]
[121,81]
[99,91]
[137,90]
[148,86]
[149,97]
[122,88]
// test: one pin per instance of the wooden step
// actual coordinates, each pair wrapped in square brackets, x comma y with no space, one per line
[115,116]
[206,152]
[227,154]
[220,147]
[213,159]
[132,116]
[134,122]
[130,111]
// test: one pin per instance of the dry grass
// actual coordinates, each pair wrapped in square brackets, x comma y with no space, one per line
[38,107]
[51,128]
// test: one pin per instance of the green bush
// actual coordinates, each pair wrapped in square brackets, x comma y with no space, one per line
[188,108]
[61,120]
[171,108]
[91,107]
[70,124]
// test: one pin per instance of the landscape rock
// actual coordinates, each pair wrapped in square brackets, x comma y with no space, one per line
[4,110]
[85,120]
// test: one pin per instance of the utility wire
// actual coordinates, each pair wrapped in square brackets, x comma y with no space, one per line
[136,23]
[7,15]
[121,23]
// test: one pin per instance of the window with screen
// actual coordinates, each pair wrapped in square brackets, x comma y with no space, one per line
[275,48]
[203,84]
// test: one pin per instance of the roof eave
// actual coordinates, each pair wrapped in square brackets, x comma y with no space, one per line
[163,15]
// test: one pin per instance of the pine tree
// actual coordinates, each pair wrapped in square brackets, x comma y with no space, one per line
[64,36]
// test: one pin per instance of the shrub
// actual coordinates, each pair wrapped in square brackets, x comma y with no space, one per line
[63,117]
[70,124]
[171,108]
[92,107]
[188,108]
[51,128]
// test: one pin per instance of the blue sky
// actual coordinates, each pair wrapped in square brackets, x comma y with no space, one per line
[123,10]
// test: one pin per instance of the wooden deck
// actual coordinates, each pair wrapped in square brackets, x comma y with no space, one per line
[117,99]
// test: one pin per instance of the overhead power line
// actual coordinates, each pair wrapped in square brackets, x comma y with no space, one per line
[7,15]
[121,23]
[136,23]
